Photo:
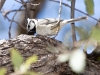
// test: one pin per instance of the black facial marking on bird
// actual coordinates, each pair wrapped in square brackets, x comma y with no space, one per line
[28,26]
[33,30]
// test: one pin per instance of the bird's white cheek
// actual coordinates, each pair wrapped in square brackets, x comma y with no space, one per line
[32,26]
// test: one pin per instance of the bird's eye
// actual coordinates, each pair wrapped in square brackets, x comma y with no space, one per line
[28,26]
[33,21]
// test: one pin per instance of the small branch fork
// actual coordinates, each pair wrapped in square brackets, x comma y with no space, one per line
[12,22]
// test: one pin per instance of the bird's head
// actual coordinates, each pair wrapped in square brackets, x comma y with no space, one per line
[31,26]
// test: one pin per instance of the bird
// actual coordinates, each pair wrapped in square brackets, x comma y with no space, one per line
[44,26]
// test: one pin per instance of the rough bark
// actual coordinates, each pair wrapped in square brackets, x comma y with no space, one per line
[28,45]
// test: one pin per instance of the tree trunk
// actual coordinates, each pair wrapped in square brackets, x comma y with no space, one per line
[47,49]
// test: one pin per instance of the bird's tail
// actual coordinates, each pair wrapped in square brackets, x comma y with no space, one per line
[76,19]
[64,22]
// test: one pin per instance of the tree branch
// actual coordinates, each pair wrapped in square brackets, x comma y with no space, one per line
[11,23]
[2,3]
[73,24]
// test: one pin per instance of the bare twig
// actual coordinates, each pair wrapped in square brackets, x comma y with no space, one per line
[7,12]
[58,23]
[11,23]
[76,9]
[16,22]
[22,1]
[18,1]
[73,24]
[60,7]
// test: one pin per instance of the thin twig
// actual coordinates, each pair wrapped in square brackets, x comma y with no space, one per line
[16,22]
[59,16]
[58,22]
[76,9]
[22,1]
[18,1]
[7,12]
[73,24]
[12,22]
[60,7]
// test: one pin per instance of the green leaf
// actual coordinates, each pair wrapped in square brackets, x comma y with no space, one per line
[95,33]
[31,73]
[3,71]
[31,60]
[89,6]
[83,33]
[24,67]
[16,58]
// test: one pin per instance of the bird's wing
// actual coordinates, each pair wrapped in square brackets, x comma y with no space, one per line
[47,21]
